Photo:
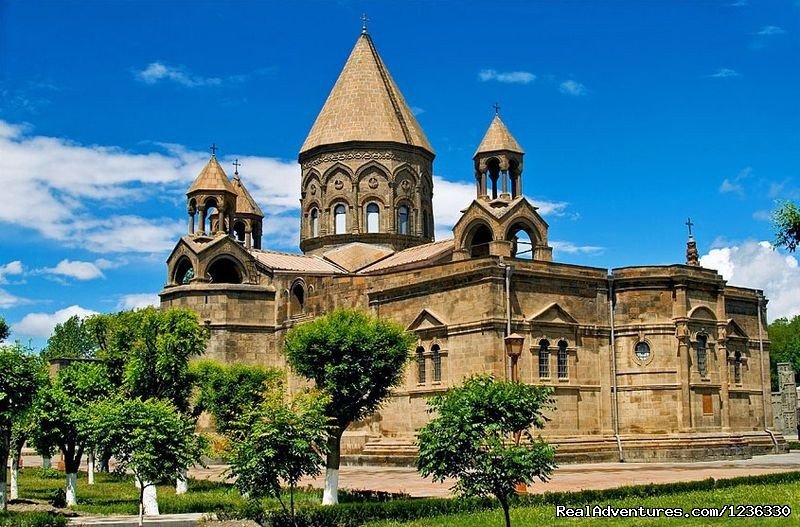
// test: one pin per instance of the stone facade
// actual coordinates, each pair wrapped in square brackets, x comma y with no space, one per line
[784,401]
[646,363]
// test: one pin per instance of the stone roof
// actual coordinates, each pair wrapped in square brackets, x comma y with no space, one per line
[245,204]
[419,254]
[295,262]
[365,105]
[212,177]
[354,256]
[498,138]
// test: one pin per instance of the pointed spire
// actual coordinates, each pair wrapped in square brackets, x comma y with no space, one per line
[212,177]
[692,256]
[245,204]
[365,104]
[498,138]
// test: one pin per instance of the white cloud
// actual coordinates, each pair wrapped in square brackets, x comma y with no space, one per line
[509,77]
[75,269]
[156,72]
[138,301]
[725,73]
[8,300]
[571,248]
[88,196]
[759,265]
[40,325]
[734,186]
[9,269]
[769,31]
[574,88]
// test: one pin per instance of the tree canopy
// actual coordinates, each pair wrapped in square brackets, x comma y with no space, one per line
[70,339]
[481,436]
[356,359]
[4,330]
[784,336]
[787,225]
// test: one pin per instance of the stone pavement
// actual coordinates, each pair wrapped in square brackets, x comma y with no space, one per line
[165,520]
[566,477]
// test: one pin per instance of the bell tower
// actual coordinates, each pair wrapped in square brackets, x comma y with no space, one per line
[211,201]
[366,164]
[498,163]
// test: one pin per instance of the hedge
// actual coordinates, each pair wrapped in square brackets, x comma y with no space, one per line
[31,519]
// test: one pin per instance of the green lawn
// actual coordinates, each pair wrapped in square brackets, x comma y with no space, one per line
[780,494]
[114,495]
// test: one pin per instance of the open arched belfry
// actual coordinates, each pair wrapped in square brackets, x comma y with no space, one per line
[663,362]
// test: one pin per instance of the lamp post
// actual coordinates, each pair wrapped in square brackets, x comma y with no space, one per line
[513,344]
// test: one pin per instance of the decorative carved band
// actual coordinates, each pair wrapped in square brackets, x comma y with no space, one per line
[363,154]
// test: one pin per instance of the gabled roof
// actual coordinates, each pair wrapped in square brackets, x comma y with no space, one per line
[356,255]
[295,262]
[245,204]
[365,105]
[498,138]
[212,177]
[421,254]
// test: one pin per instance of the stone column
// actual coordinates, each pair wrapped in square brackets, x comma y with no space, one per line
[202,210]
[248,236]
[685,408]
[724,377]
[191,221]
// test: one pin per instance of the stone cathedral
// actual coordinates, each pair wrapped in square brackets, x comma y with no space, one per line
[647,363]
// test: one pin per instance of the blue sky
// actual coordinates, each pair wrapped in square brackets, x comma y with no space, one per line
[634,115]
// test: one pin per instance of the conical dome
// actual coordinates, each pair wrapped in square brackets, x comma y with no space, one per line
[212,178]
[365,105]
[498,138]
[245,204]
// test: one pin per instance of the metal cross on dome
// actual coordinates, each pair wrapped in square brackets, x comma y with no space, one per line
[496,108]
[213,149]
[690,224]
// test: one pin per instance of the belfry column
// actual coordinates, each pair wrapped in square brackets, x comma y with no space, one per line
[202,209]
[684,372]
[191,221]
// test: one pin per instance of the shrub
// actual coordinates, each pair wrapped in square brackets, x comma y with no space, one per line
[48,473]
[31,519]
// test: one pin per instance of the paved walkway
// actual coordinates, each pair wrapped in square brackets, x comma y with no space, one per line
[165,520]
[566,477]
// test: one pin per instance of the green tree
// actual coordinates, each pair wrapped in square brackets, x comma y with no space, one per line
[229,392]
[784,336]
[787,225]
[159,345]
[150,438]
[281,443]
[18,382]
[356,359]
[4,331]
[481,437]
[70,339]
[24,426]
[61,414]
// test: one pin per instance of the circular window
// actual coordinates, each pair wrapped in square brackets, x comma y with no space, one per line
[642,351]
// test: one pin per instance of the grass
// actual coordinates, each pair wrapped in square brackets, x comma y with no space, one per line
[117,495]
[794,445]
[779,494]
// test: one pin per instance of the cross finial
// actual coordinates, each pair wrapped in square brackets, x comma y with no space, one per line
[496,108]
[364,24]
[237,165]
[690,224]
[213,149]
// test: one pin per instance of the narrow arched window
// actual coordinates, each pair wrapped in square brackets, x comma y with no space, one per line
[402,220]
[544,359]
[373,217]
[314,222]
[420,365]
[702,366]
[562,359]
[297,300]
[737,367]
[339,219]
[437,363]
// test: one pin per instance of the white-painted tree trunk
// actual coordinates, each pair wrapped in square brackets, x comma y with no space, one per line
[90,468]
[182,483]
[14,478]
[330,495]
[46,463]
[150,499]
[136,482]
[3,498]
[72,497]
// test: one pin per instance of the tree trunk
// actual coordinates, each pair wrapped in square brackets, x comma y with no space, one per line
[149,498]
[72,497]
[182,483]
[506,514]
[330,495]
[141,501]
[5,441]
[46,463]
[14,477]
[90,468]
